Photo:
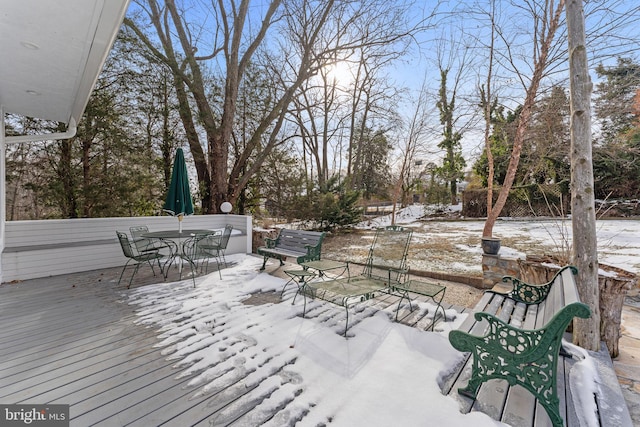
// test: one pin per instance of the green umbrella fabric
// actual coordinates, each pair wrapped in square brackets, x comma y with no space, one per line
[178,201]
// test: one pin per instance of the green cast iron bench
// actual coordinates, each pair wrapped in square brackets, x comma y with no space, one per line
[515,338]
[299,244]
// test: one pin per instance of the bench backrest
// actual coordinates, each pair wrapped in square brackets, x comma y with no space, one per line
[298,240]
[563,292]
[387,259]
[536,294]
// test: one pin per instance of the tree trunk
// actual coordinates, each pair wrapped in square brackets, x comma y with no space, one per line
[612,295]
[525,117]
[485,99]
[67,176]
[583,217]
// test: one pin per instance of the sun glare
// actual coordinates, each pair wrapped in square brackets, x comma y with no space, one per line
[340,73]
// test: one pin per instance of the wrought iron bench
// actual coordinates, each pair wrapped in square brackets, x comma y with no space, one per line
[299,244]
[516,338]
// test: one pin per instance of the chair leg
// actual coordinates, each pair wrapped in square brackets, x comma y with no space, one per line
[217,257]
[153,270]
[160,266]
[134,273]
[167,265]
[194,268]
[123,269]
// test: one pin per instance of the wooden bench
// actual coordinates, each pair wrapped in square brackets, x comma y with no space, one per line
[299,244]
[516,339]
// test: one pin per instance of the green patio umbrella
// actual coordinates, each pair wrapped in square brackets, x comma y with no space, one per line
[178,201]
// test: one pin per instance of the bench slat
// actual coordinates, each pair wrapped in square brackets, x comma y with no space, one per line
[570,292]
[521,404]
[468,323]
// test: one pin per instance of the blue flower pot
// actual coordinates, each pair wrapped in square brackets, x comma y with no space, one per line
[490,245]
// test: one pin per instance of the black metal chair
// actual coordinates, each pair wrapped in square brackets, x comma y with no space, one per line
[136,256]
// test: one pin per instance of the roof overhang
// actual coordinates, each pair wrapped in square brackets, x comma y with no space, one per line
[51,53]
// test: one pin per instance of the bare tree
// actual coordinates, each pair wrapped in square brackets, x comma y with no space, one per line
[310,35]
[413,133]
[373,103]
[486,103]
[451,56]
[583,218]
[319,113]
[547,23]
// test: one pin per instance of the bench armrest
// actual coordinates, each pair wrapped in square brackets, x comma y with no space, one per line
[501,338]
[531,294]
[524,292]
[313,252]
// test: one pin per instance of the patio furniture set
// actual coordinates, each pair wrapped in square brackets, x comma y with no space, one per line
[167,247]
[515,337]
[385,271]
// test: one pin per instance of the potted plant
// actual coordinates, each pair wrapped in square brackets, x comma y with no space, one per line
[490,245]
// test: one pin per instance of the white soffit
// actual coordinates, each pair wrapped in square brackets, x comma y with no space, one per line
[51,53]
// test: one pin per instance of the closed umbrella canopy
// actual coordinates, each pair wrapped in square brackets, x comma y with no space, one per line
[178,201]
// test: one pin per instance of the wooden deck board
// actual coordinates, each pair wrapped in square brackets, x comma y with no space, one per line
[72,340]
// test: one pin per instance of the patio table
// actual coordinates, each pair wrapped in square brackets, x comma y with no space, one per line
[312,269]
[174,237]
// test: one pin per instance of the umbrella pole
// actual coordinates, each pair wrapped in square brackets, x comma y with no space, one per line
[179,244]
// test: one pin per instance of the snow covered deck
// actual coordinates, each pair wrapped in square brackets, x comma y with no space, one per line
[74,339]
[229,352]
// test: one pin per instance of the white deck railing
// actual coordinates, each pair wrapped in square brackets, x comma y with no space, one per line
[50,247]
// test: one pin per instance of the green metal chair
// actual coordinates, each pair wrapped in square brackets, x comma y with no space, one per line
[384,270]
[216,244]
[135,256]
[144,244]
[197,256]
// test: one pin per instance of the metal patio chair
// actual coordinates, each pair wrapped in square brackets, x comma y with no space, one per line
[134,255]
[197,257]
[384,270]
[145,244]
[216,244]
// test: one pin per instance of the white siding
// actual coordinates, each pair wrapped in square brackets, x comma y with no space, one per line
[45,248]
